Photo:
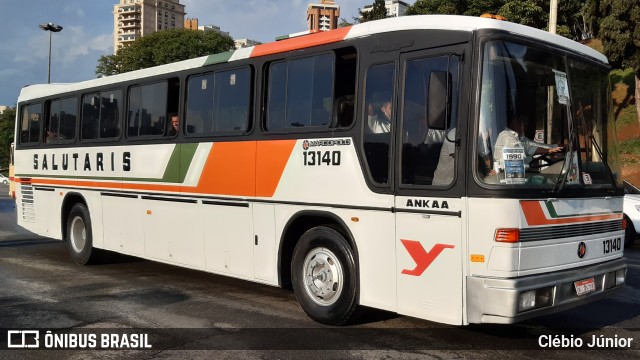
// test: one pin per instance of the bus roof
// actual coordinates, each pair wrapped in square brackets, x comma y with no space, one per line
[421,22]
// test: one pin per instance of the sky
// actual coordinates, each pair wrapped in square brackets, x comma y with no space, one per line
[88,33]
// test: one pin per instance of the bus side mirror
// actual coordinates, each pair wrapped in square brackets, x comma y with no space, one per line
[438,100]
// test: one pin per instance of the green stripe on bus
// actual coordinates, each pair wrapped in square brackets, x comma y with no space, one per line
[552,210]
[219,58]
[172,171]
[187,152]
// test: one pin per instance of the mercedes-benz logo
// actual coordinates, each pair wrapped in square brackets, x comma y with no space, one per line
[582,249]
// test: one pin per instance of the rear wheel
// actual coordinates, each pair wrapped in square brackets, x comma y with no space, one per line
[324,276]
[79,236]
[629,233]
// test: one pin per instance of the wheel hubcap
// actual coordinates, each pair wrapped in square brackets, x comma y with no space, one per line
[323,276]
[78,235]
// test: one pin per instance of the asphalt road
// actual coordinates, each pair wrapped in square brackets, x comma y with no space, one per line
[192,314]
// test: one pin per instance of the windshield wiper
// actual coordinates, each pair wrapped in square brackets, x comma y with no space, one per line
[606,164]
[565,169]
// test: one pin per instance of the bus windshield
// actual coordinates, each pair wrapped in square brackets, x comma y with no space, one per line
[544,120]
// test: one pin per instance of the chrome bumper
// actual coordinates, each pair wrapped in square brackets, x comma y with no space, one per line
[495,300]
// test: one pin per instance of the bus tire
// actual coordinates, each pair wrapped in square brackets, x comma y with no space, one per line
[79,236]
[324,276]
[629,233]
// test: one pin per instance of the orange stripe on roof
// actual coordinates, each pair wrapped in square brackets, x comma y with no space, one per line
[535,215]
[302,42]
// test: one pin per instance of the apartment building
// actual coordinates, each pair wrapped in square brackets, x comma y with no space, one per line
[133,19]
[395,8]
[323,16]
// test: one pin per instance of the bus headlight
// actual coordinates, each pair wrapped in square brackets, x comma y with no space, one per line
[534,299]
[620,274]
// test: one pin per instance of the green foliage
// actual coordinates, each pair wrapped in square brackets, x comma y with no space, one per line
[619,30]
[629,147]
[7,128]
[527,12]
[444,7]
[479,7]
[344,23]
[378,12]
[163,47]
[533,13]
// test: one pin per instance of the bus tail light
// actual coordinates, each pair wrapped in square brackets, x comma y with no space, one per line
[507,235]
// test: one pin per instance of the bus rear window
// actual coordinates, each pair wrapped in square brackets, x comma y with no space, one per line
[30,124]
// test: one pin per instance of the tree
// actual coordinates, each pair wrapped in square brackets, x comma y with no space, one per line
[619,31]
[163,47]
[379,11]
[7,125]
[444,7]
[526,12]
[344,23]
[479,7]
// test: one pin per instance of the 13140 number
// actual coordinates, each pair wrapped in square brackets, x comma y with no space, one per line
[319,158]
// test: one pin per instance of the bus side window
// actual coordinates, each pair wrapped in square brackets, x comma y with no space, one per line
[90,116]
[148,110]
[378,123]
[61,123]
[110,114]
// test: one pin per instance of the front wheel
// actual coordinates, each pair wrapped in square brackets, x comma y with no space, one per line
[79,236]
[629,233]
[324,276]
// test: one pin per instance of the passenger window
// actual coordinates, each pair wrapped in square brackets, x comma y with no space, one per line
[101,115]
[60,126]
[147,110]
[219,102]
[300,93]
[30,124]
[379,115]
[428,155]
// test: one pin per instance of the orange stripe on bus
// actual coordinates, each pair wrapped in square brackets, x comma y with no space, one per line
[302,42]
[535,215]
[229,170]
[272,159]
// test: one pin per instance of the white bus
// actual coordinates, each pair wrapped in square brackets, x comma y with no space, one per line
[388,164]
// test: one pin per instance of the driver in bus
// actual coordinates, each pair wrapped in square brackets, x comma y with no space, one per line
[512,135]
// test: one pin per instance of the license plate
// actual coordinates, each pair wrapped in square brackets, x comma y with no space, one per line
[585,286]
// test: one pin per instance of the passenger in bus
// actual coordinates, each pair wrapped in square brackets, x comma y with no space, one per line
[52,136]
[175,123]
[380,123]
[512,135]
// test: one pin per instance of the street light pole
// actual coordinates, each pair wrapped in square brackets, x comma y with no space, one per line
[51,28]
